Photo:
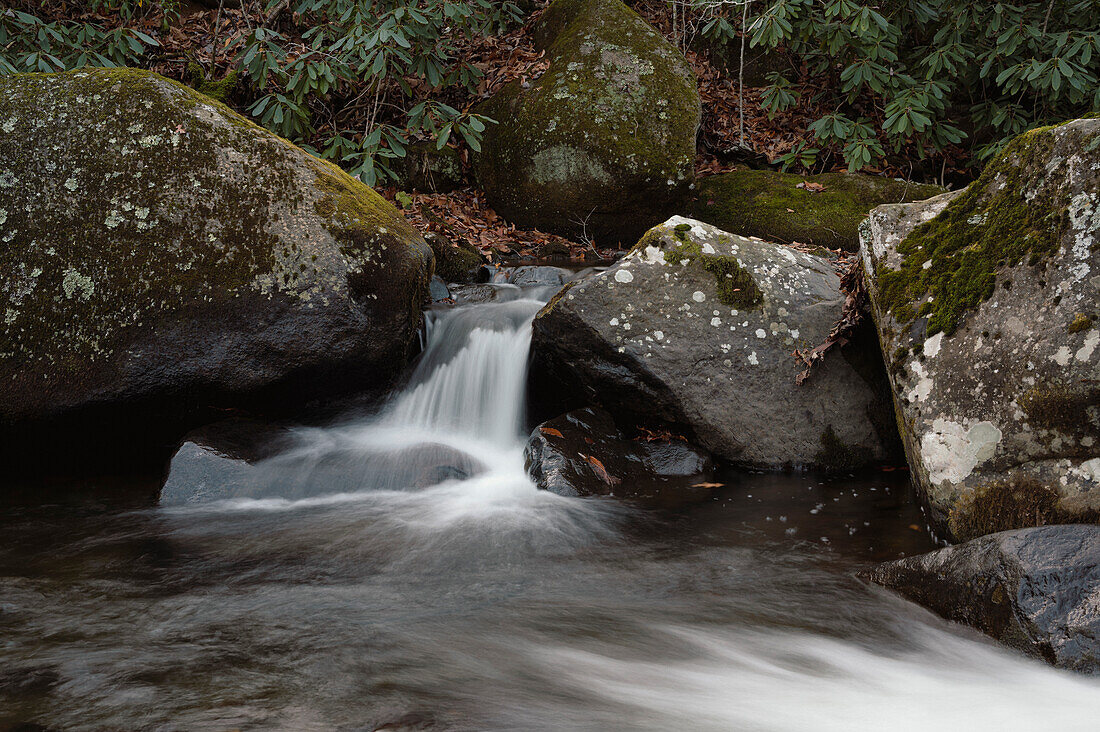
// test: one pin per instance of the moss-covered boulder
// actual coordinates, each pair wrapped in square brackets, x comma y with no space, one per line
[454,261]
[603,143]
[987,304]
[162,255]
[695,328]
[826,210]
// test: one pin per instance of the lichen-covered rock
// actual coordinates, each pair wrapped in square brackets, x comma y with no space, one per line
[583,453]
[603,143]
[772,206]
[1036,590]
[696,327]
[162,254]
[986,304]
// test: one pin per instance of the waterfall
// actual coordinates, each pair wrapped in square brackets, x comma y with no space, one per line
[473,372]
[459,418]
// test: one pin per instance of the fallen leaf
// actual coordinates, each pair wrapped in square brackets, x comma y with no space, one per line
[550,431]
[707,485]
[810,186]
[914,527]
[601,471]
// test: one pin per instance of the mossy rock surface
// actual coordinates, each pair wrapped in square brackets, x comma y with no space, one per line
[163,255]
[454,261]
[985,302]
[770,205]
[603,143]
[695,327]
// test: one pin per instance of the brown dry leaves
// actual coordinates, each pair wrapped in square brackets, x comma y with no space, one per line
[464,216]
[852,314]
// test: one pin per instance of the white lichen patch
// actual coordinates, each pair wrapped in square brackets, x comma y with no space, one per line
[75,283]
[624,275]
[951,451]
[1084,353]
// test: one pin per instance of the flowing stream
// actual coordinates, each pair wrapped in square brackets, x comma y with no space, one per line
[400,571]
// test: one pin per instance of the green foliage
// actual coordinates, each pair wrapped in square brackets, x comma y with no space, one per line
[895,73]
[365,77]
[29,44]
[352,81]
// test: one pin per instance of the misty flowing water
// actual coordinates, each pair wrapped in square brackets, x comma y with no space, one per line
[400,571]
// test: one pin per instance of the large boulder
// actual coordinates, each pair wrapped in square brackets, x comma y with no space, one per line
[823,210]
[603,143]
[1037,590]
[696,327]
[583,453]
[163,255]
[986,304]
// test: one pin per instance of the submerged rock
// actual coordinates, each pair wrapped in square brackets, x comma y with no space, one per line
[1037,590]
[246,459]
[986,303]
[773,206]
[696,327]
[165,256]
[603,143]
[583,453]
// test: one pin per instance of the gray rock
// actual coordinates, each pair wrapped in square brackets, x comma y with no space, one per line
[603,143]
[986,303]
[437,289]
[538,275]
[696,327]
[583,453]
[165,256]
[1037,590]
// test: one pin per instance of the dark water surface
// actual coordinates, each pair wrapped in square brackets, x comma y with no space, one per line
[439,610]
[318,589]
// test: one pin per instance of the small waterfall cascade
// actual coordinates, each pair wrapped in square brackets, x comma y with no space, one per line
[472,375]
[459,419]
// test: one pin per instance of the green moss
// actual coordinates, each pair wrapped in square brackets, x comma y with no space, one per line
[219,90]
[1067,408]
[771,206]
[736,287]
[1080,322]
[834,455]
[603,143]
[1014,502]
[454,262]
[949,265]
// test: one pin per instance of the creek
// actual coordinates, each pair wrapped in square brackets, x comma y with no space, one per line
[400,571]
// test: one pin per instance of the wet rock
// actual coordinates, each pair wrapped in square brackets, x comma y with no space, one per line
[986,303]
[454,262]
[771,205]
[166,257]
[603,143]
[437,289]
[245,459]
[583,453]
[695,327]
[539,275]
[1037,590]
